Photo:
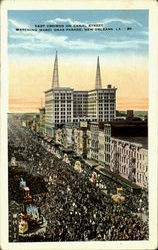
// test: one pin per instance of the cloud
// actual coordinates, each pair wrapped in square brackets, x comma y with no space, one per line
[79,45]
[36,41]
[122,21]
[31,40]
[16,24]
[104,21]
[29,46]
[66,20]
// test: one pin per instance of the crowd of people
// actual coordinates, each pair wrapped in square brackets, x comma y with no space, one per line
[75,208]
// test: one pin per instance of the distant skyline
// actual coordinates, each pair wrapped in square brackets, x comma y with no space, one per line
[123,55]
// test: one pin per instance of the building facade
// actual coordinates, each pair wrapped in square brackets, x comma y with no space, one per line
[49,112]
[101,147]
[129,159]
[59,108]
[42,120]
[73,137]
[68,139]
[93,141]
[124,156]
[102,104]
[80,106]
[63,105]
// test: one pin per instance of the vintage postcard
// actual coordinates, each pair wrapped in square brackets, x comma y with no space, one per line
[79,125]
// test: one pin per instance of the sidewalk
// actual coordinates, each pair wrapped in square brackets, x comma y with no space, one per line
[117,178]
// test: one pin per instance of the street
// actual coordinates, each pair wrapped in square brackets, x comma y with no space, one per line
[75,208]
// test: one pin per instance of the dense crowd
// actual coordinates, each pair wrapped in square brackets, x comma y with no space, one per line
[75,208]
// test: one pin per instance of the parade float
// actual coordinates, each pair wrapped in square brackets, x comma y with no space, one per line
[27,198]
[66,159]
[31,222]
[118,197]
[13,162]
[78,166]
[22,183]
[14,167]
[93,177]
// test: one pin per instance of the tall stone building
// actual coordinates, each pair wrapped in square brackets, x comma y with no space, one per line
[102,104]
[59,108]
[64,105]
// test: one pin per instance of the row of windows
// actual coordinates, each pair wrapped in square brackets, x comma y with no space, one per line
[107,139]
[107,112]
[108,132]
[62,109]
[129,152]
[62,117]
[106,98]
[63,121]
[83,95]
[63,94]
[123,170]
[62,105]
[141,178]
[107,147]
[102,93]
[124,159]
[106,94]
[140,166]
[63,98]
[61,101]
[106,104]
[107,158]
[62,114]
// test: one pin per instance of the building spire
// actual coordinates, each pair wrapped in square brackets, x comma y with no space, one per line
[98,84]
[55,80]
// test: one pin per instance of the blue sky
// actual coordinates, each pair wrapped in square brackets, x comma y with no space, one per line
[123,54]
[121,41]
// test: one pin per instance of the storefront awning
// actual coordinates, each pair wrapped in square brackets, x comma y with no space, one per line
[91,163]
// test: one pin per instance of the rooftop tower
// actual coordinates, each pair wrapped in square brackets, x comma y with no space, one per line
[98,84]
[55,80]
